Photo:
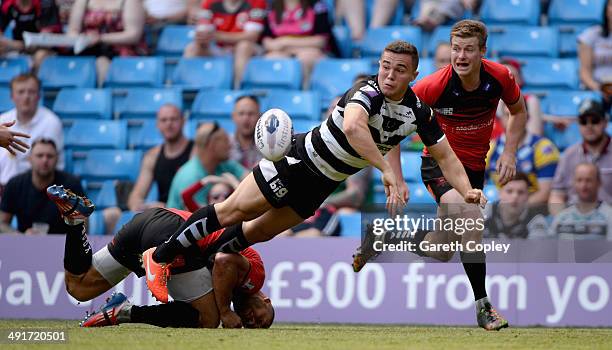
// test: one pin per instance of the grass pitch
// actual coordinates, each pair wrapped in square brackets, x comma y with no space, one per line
[309,336]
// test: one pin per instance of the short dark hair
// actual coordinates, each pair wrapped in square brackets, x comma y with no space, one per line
[24,77]
[520,176]
[402,47]
[469,28]
[43,141]
[250,97]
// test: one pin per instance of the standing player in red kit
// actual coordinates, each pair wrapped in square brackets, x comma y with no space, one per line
[464,96]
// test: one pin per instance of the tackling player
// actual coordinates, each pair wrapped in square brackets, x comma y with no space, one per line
[368,123]
[464,96]
[196,305]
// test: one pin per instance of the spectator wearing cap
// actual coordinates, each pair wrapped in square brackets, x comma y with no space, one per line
[212,157]
[595,148]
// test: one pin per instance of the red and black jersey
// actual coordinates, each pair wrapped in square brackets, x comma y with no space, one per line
[248,17]
[41,16]
[467,117]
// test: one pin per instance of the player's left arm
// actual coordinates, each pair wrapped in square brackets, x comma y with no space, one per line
[517,122]
[228,272]
[395,160]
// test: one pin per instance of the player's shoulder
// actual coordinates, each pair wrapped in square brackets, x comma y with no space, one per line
[497,70]
[367,89]
[441,76]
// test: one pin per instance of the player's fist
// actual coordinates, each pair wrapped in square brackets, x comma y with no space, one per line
[229,319]
[475,196]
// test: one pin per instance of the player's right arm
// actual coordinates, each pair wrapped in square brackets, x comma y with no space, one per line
[228,272]
[136,200]
[355,127]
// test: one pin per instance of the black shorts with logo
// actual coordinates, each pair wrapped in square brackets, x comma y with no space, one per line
[437,184]
[145,230]
[291,182]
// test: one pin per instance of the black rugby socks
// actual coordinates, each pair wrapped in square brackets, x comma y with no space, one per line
[77,250]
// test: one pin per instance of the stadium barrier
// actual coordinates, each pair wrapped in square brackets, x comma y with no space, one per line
[311,281]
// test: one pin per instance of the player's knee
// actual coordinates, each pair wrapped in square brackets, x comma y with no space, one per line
[75,291]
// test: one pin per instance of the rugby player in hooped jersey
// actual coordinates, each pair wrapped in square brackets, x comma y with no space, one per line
[368,122]
[464,96]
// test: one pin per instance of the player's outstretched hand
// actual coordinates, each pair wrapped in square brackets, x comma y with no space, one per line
[475,196]
[395,200]
[230,319]
[506,167]
[10,139]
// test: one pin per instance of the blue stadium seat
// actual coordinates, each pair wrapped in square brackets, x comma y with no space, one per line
[491,192]
[6,102]
[302,125]
[77,103]
[135,72]
[58,72]
[83,134]
[203,73]
[173,39]
[277,73]
[342,34]
[563,138]
[143,134]
[215,103]
[298,104]
[226,124]
[11,67]
[107,164]
[568,34]
[411,166]
[102,193]
[126,216]
[419,194]
[376,39]
[440,35]
[145,102]
[566,103]
[350,224]
[551,73]
[332,77]
[521,41]
[587,12]
[95,224]
[525,12]
[426,67]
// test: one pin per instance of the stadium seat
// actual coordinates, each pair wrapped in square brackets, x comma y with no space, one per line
[84,134]
[342,34]
[173,40]
[565,103]
[350,224]
[125,217]
[522,41]
[568,34]
[145,102]
[11,67]
[491,192]
[440,35]
[277,73]
[135,72]
[226,124]
[203,73]
[143,134]
[411,166]
[425,68]
[563,138]
[419,194]
[586,12]
[551,73]
[214,104]
[58,72]
[524,12]
[95,224]
[77,103]
[332,77]
[302,125]
[107,164]
[298,104]
[376,39]
[102,193]
[6,102]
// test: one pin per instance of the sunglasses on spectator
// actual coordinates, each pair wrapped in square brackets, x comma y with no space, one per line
[592,120]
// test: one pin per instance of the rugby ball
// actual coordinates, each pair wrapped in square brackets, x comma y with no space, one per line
[273,134]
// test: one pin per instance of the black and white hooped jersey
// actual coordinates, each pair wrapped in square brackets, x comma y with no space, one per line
[328,149]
